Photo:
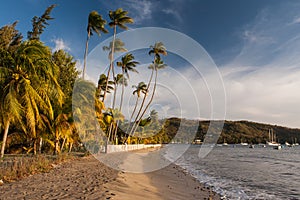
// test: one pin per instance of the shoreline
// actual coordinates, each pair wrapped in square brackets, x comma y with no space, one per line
[87,178]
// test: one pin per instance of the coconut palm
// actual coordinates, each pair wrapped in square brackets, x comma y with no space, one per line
[140,88]
[119,80]
[118,19]
[127,64]
[30,84]
[157,49]
[114,47]
[95,24]
[102,86]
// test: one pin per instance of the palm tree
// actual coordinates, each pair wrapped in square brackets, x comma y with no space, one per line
[102,86]
[119,80]
[118,19]
[95,24]
[11,109]
[114,47]
[140,88]
[30,85]
[157,49]
[127,64]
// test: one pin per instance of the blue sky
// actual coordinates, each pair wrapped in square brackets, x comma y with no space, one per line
[255,45]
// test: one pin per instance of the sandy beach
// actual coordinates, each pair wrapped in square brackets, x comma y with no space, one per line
[87,178]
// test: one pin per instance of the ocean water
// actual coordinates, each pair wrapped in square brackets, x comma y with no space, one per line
[245,173]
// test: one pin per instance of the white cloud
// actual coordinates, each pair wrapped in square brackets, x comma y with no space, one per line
[295,21]
[262,82]
[60,45]
[140,10]
[173,12]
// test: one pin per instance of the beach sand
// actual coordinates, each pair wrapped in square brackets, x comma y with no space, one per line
[87,178]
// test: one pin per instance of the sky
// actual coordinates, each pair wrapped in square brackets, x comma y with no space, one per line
[247,68]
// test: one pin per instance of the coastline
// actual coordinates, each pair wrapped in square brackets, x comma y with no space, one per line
[168,183]
[87,178]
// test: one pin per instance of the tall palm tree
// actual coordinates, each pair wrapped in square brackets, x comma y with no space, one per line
[118,19]
[127,64]
[117,46]
[157,49]
[119,80]
[95,24]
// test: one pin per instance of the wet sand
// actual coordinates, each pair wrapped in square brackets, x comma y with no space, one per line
[87,178]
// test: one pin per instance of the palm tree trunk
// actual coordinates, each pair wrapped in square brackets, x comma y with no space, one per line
[121,102]
[56,145]
[140,110]
[111,62]
[63,144]
[123,87]
[151,99]
[71,145]
[5,137]
[40,145]
[35,146]
[136,103]
[149,103]
[115,96]
[85,53]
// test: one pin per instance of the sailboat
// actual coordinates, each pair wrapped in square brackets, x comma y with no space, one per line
[272,139]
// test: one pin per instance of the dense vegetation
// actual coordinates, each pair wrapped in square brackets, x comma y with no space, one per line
[233,132]
[46,107]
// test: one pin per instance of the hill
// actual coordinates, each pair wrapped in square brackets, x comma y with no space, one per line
[232,132]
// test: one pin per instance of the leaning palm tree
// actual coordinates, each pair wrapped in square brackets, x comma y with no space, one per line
[154,67]
[11,109]
[95,24]
[118,19]
[127,64]
[30,84]
[140,88]
[157,49]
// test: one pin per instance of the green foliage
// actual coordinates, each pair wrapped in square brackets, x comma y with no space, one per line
[119,18]
[39,24]
[233,132]
[10,38]
[67,76]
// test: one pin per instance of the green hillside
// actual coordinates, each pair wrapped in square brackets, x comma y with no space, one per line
[233,131]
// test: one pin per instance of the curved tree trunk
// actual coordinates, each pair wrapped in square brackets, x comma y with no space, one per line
[140,110]
[149,103]
[136,103]
[5,138]
[85,53]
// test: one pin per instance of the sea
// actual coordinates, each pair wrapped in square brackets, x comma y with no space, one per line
[240,172]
